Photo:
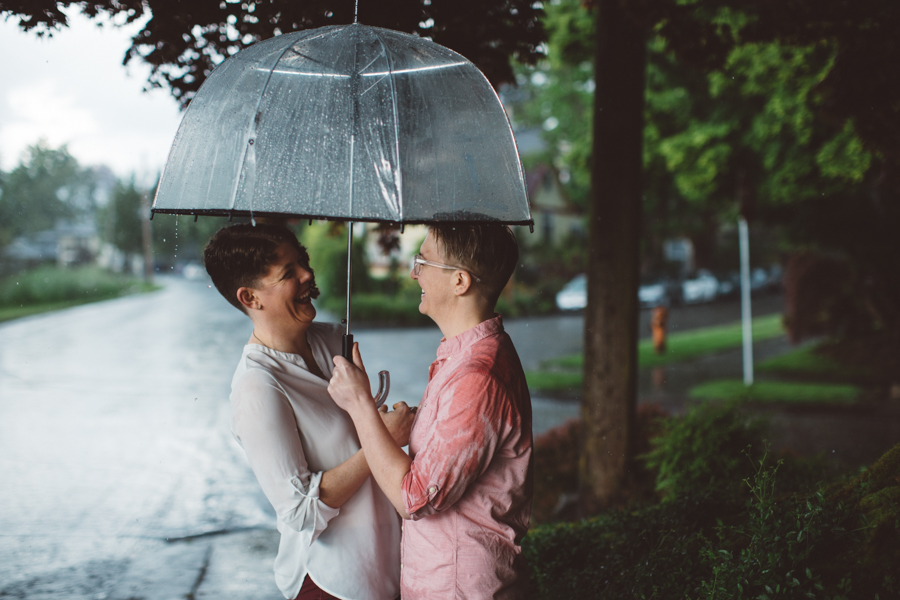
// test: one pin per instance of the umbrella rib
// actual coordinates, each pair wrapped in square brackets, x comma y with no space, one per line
[415,69]
[374,83]
[307,73]
[399,180]
[253,132]
[371,62]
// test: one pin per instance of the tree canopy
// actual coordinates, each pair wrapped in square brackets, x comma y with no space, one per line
[184,41]
[752,121]
[47,186]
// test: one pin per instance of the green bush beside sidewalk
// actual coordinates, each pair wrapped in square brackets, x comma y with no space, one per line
[731,522]
[53,288]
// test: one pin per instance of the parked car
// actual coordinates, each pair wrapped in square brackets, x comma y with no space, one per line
[729,284]
[701,286]
[652,292]
[573,295]
[193,270]
[659,289]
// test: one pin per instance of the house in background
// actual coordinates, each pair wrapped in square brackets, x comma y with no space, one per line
[67,244]
[555,216]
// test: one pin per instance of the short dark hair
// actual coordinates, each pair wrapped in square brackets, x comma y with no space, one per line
[487,250]
[239,256]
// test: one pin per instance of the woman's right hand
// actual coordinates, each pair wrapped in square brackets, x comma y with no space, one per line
[398,422]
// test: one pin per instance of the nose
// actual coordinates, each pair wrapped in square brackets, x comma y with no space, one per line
[304,275]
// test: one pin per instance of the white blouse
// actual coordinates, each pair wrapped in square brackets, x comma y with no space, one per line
[292,432]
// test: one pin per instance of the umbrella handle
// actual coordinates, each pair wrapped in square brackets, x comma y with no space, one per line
[384,378]
[384,387]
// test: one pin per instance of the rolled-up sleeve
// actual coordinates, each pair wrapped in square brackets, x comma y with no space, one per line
[264,425]
[471,413]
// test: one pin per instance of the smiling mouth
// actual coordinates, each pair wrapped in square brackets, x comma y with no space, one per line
[303,298]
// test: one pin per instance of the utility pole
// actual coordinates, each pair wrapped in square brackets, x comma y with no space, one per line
[746,313]
[147,237]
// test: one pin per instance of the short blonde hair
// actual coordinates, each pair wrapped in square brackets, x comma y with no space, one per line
[488,251]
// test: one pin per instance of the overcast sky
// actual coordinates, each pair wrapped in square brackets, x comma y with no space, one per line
[72,89]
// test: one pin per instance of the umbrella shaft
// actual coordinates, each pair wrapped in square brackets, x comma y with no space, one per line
[349,271]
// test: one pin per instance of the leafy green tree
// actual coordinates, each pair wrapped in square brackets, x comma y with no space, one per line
[743,136]
[747,110]
[47,186]
[120,220]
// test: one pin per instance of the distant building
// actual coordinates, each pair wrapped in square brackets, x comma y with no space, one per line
[67,244]
[555,216]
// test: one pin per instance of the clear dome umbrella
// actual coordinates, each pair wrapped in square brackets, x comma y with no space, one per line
[350,123]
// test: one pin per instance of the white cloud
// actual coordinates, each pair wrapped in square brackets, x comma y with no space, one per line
[72,89]
[41,108]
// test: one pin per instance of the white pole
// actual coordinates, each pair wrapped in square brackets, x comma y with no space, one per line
[746,313]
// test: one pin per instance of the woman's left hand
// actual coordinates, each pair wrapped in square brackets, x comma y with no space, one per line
[399,421]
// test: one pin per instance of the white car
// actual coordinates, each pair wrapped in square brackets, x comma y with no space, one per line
[702,286]
[193,270]
[573,296]
[653,294]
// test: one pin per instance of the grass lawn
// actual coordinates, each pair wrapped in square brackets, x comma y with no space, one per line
[565,373]
[809,362]
[787,392]
[51,288]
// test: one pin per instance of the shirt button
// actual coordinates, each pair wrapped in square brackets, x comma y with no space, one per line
[432,490]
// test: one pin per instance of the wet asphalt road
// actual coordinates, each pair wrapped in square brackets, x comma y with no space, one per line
[120,476]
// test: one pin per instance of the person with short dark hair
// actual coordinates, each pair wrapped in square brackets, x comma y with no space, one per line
[340,536]
[465,488]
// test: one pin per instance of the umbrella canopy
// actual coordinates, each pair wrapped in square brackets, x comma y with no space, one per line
[346,122]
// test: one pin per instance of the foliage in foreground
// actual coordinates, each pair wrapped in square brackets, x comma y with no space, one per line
[772,534]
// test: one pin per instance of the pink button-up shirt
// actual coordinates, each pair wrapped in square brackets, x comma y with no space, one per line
[469,487]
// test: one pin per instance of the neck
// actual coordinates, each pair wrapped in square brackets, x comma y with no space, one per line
[465,319]
[290,340]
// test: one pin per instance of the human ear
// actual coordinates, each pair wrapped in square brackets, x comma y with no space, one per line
[247,298]
[462,282]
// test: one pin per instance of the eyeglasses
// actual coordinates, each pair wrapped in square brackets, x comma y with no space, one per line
[418,261]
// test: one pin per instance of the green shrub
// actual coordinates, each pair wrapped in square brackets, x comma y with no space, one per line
[379,308]
[732,542]
[556,455]
[703,448]
[46,285]
[652,552]
[326,243]
[811,546]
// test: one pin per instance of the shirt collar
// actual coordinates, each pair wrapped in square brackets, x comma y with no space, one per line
[470,336]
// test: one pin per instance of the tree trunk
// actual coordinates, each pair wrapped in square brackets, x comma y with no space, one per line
[611,318]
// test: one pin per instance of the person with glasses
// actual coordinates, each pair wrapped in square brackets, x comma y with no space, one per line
[340,536]
[465,488]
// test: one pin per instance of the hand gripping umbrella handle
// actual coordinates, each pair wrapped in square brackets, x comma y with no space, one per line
[384,378]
